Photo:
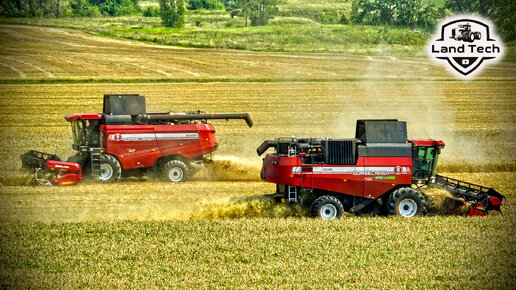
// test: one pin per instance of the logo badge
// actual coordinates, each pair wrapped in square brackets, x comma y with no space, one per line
[465,43]
[115,137]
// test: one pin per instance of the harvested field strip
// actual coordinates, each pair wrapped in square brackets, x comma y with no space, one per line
[222,197]
[68,54]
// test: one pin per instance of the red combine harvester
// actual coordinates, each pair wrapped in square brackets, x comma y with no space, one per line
[125,139]
[379,171]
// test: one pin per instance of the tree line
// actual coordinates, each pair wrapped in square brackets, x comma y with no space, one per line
[412,13]
[424,13]
[254,12]
[68,8]
[406,13]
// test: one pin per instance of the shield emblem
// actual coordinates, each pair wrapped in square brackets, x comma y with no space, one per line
[465,43]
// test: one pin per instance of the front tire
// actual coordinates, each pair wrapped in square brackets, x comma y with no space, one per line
[176,171]
[110,169]
[407,202]
[327,207]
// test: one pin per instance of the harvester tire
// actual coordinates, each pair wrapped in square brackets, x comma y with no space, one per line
[110,169]
[407,202]
[176,171]
[327,207]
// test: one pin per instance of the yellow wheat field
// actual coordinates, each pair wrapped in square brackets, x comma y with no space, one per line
[479,137]
[216,231]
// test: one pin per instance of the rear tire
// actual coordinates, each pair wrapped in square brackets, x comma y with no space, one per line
[327,207]
[176,171]
[407,202]
[471,37]
[110,169]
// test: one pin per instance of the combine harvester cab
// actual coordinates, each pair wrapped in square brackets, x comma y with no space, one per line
[127,140]
[378,171]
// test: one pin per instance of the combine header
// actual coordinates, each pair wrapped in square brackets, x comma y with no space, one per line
[378,171]
[125,139]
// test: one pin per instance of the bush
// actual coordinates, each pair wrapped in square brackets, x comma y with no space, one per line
[94,12]
[172,12]
[116,7]
[151,11]
[343,20]
[205,4]
[323,16]
[83,8]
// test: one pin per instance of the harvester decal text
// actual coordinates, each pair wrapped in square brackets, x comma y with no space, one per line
[151,137]
[356,170]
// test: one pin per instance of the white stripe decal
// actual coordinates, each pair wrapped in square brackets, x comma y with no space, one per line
[356,170]
[171,136]
[152,137]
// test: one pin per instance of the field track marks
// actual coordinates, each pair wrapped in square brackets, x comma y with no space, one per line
[49,74]
[22,74]
[147,68]
[182,70]
[69,54]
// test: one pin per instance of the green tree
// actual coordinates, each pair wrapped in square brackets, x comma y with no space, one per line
[172,12]
[58,9]
[29,8]
[240,8]
[501,12]
[395,12]
[263,10]
[258,11]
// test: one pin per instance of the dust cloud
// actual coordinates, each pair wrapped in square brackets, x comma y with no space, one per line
[423,104]
[229,168]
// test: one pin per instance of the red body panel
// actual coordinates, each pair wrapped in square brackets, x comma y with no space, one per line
[139,146]
[67,173]
[370,177]
[85,116]
[427,143]
[67,179]
[477,211]
[53,165]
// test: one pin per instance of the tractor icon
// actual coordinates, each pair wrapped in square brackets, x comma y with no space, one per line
[465,34]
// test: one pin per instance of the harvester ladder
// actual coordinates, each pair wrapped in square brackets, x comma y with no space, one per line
[292,193]
[95,162]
